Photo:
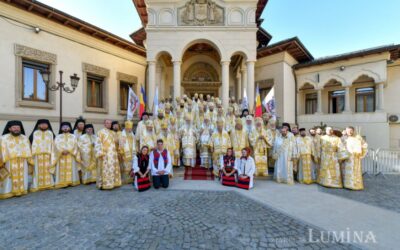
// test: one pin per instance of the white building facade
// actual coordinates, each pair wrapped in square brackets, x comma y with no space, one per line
[212,47]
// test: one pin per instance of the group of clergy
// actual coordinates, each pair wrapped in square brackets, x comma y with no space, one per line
[78,155]
[182,132]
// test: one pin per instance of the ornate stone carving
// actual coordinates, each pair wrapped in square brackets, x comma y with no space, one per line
[201,72]
[201,12]
[95,70]
[35,54]
[126,78]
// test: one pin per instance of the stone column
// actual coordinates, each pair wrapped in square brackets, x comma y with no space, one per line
[319,101]
[177,79]
[380,101]
[225,84]
[250,84]
[238,86]
[152,84]
[347,108]
[158,82]
[244,81]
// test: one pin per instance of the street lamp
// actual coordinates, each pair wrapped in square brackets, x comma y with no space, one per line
[60,85]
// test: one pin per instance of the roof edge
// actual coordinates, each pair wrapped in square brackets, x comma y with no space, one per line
[394,50]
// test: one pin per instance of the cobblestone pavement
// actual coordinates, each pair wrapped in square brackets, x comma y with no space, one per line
[383,192]
[85,218]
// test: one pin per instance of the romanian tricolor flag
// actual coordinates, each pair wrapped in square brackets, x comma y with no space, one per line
[258,108]
[142,99]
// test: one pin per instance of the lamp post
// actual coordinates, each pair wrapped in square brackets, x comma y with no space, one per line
[60,85]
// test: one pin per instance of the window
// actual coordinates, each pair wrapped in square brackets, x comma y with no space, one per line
[336,101]
[311,103]
[124,93]
[95,90]
[365,99]
[33,86]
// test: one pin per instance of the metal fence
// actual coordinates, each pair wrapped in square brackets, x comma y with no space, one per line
[381,161]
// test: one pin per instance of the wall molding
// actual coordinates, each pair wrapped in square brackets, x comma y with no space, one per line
[97,70]
[35,54]
[127,78]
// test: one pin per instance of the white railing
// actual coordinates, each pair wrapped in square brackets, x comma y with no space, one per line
[381,161]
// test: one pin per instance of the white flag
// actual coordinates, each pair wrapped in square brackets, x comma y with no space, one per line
[155,103]
[133,104]
[269,102]
[245,103]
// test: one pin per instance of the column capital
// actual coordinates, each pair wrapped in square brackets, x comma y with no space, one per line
[177,62]
[250,62]
[380,84]
[225,62]
[151,62]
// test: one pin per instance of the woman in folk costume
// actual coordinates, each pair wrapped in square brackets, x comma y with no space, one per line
[332,153]
[169,141]
[79,127]
[188,138]
[127,148]
[228,168]
[15,157]
[261,142]
[141,170]
[239,138]
[67,157]
[148,137]
[246,168]
[283,154]
[43,150]
[306,154]
[86,145]
[205,133]
[357,148]
[173,130]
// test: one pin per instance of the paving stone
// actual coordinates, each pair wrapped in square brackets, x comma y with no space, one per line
[380,191]
[86,218]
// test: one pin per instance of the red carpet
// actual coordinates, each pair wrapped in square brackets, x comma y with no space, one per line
[198,173]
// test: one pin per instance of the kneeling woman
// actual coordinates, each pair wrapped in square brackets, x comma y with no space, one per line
[246,169]
[141,169]
[228,171]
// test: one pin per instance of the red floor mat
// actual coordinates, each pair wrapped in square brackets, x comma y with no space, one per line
[198,173]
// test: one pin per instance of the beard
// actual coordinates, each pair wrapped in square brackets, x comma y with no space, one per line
[18,133]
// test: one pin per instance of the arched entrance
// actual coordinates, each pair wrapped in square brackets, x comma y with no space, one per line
[201,70]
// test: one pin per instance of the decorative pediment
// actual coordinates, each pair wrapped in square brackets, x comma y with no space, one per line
[201,13]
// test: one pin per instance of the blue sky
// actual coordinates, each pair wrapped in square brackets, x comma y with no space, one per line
[326,27]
